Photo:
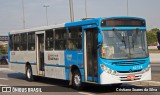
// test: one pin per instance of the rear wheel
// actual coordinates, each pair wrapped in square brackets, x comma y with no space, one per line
[76,80]
[29,74]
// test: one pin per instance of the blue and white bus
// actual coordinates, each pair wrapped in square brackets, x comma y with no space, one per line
[109,50]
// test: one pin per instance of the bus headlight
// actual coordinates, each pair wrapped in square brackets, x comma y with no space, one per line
[108,70]
[114,72]
[149,66]
[147,69]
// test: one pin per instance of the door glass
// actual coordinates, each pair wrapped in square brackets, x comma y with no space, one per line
[41,52]
[91,52]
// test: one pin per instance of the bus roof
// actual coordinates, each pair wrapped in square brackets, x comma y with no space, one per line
[37,29]
[70,24]
[97,20]
[84,22]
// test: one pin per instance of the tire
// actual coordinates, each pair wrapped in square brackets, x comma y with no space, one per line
[77,80]
[29,74]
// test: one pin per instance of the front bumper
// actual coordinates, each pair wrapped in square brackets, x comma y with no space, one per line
[106,78]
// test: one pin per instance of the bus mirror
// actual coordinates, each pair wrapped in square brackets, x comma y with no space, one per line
[99,39]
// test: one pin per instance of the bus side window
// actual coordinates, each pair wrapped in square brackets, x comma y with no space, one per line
[49,39]
[60,39]
[12,42]
[23,41]
[75,38]
[16,42]
[31,41]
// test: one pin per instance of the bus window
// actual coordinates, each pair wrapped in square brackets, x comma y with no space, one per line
[23,43]
[16,42]
[75,38]
[31,41]
[60,39]
[12,42]
[49,40]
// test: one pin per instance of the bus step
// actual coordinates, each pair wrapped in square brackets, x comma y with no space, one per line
[91,82]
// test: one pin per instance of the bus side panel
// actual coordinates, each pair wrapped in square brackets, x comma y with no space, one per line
[74,58]
[18,60]
[34,68]
[17,67]
[54,64]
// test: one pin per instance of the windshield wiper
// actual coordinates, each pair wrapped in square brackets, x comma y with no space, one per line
[123,40]
[134,37]
[133,42]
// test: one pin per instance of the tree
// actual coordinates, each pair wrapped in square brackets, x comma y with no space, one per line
[151,37]
[154,30]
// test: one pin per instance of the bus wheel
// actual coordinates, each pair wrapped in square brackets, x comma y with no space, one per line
[76,80]
[29,74]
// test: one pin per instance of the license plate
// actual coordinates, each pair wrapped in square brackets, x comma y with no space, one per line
[131,77]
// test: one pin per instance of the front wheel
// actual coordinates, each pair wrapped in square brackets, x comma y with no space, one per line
[76,80]
[29,74]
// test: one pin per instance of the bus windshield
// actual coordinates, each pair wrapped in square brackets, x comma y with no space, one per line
[124,44]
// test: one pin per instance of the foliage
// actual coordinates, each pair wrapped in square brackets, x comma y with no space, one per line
[151,37]
[155,30]
[154,51]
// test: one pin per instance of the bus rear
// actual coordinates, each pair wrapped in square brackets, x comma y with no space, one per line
[123,55]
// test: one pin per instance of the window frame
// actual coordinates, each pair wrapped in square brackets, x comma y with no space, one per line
[23,41]
[16,42]
[64,38]
[11,42]
[53,41]
[32,41]
[77,39]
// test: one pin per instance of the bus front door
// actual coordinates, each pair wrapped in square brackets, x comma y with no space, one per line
[90,54]
[40,54]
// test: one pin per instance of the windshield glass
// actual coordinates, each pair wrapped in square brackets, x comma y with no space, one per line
[124,44]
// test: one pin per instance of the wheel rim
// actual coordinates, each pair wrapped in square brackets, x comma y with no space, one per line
[29,73]
[77,80]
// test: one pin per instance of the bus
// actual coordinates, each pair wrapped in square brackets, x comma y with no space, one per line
[158,40]
[111,50]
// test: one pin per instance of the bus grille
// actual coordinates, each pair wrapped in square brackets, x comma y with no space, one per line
[124,78]
[128,63]
[129,71]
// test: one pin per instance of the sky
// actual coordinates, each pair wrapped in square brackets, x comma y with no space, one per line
[11,12]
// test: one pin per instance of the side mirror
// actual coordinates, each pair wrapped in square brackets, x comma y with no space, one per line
[100,39]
